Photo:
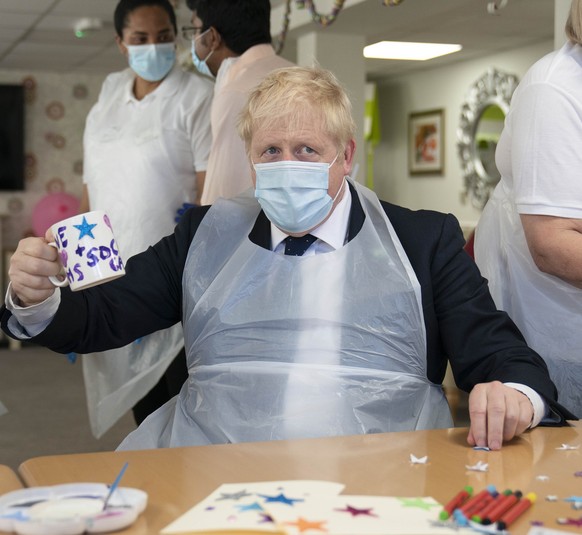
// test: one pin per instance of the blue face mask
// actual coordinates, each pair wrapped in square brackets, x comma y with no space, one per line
[293,194]
[152,62]
[201,64]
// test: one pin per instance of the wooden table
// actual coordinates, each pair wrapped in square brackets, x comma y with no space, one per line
[178,478]
[9,480]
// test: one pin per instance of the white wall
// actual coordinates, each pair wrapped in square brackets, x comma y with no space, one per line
[445,88]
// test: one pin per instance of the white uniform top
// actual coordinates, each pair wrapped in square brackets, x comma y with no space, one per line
[539,157]
[141,157]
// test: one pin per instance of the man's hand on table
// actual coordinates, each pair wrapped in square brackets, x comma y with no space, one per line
[498,413]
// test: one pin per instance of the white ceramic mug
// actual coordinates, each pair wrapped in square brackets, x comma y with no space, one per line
[87,250]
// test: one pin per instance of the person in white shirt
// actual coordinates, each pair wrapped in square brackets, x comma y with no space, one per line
[231,40]
[146,146]
[528,242]
[309,307]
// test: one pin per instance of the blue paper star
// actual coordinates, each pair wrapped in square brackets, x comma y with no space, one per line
[249,507]
[85,229]
[281,498]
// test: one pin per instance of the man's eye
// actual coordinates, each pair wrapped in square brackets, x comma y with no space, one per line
[271,151]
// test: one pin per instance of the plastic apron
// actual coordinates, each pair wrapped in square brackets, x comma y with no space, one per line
[115,380]
[547,310]
[284,347]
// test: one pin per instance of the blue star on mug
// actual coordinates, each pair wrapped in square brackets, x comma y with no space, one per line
[85,228]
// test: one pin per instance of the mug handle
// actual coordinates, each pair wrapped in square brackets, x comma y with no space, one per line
[55,280]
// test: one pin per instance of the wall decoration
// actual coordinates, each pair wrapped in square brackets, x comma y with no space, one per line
[30,166]
[480,125]
[15,205]
[78,167]
[56,140]
[426,142]
[80,91]
[29,84]
[55,185]
[55,110]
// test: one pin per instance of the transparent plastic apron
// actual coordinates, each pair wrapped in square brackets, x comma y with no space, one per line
[547,310]
[115,380]
[284,347]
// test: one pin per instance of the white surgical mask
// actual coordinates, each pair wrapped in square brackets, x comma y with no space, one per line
[201,64]
[152,62]
[293,194]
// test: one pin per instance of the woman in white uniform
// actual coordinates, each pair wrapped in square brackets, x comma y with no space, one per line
[529,239]
[146,142]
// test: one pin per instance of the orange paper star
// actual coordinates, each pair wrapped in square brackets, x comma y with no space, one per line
[303,525]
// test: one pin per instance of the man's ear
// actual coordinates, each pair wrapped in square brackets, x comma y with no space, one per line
[349,152]
[213,39]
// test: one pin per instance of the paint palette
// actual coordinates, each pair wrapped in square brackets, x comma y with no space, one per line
[70,509]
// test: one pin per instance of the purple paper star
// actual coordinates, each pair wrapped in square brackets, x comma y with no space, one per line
[85,229]
[570,521]
[578,474]
[281,498]
[354,511]
[265,518]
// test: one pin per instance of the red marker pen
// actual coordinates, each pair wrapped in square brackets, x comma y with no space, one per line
[505,503]
[476,500]
[455,502]
[509,517]
[478,516]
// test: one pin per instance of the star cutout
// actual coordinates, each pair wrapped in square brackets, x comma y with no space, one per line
[249,507]
[543,478]
[444,524]
[354,511]
[303,525]
[551,498]
[418,502]
[567,447]
[578,474]
[570,521]
[281,498]
[418,460]
[265,518]
[573,499]
[233,495]
[85,229]
[480,466]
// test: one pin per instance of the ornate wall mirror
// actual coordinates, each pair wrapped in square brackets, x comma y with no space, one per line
[482,117]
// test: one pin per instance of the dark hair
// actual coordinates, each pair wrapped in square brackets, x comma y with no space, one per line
[241,23]
[125,7]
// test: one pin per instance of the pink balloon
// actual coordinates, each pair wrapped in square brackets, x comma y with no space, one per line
[51,209]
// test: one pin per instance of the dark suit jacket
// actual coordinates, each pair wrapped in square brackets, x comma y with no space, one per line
[462,323]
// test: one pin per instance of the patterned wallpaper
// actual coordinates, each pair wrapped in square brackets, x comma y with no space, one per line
[55,112]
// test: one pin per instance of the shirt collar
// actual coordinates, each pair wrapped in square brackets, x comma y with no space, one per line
[170,84]
[333,231]
[247,58]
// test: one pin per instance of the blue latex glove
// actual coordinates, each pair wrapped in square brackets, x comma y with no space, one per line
[181,211]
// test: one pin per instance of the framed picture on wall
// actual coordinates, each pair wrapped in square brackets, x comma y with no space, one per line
[426,134]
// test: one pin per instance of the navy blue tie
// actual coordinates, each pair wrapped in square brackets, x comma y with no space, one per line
[297,246]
